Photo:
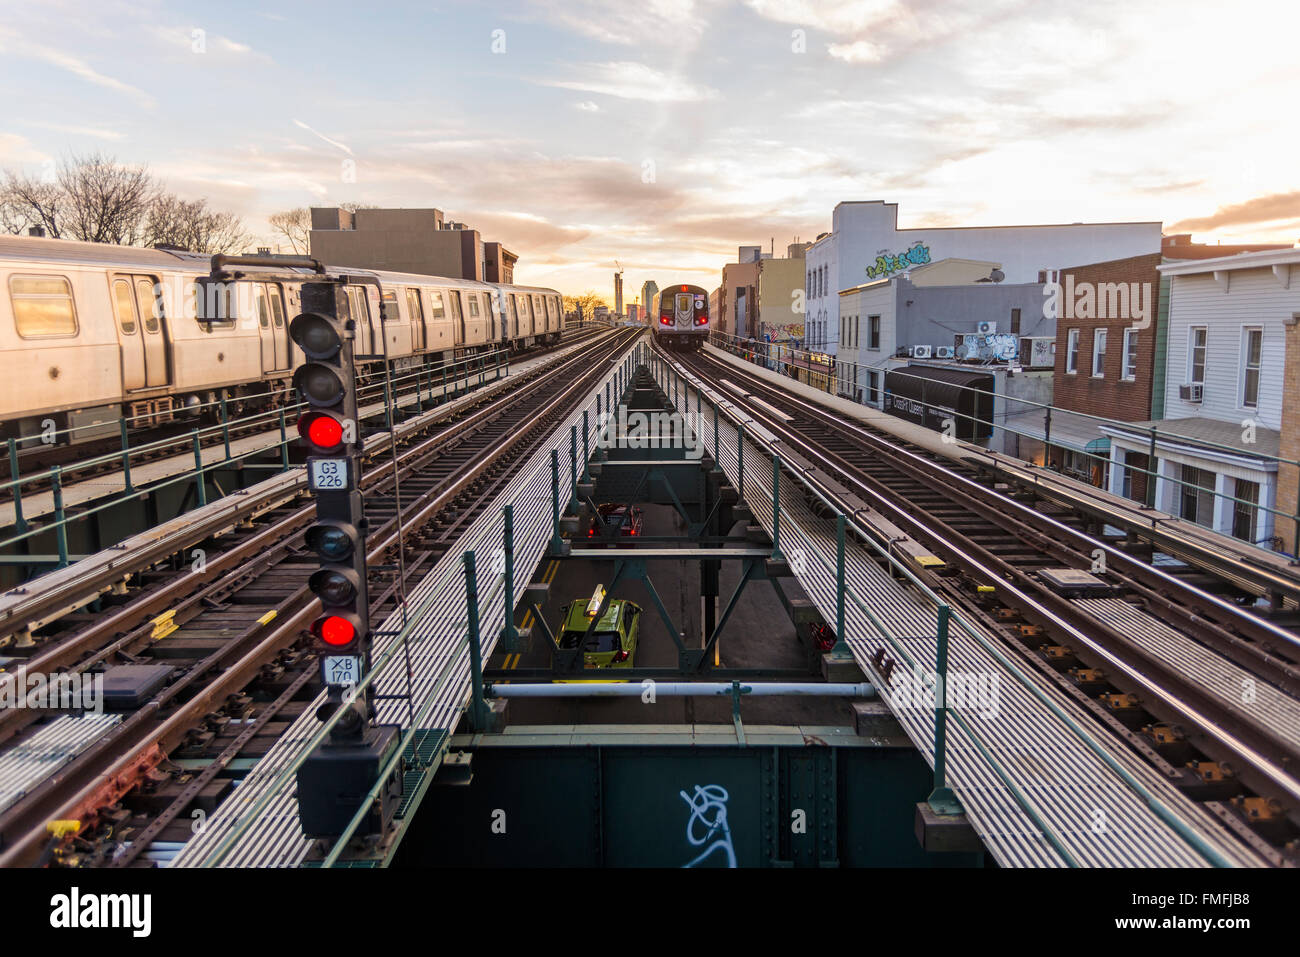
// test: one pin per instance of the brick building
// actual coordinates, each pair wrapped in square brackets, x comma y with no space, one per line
[1111,343]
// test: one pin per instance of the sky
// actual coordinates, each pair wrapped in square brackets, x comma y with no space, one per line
[662,134]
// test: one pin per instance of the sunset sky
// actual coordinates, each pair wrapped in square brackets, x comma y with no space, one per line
[750,120]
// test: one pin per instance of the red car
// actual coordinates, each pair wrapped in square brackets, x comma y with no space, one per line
[614,521]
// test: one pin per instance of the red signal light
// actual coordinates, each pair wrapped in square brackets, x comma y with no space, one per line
[322,430]
[325,431]
[684,288]
[336,631]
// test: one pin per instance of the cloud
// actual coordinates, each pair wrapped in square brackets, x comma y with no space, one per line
[1253,212]
[859,51]
[335,143]
[23,47]
[587,106]
[95,131]
[634,81]
[671,22]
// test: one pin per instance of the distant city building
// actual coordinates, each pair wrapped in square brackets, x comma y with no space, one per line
[405,240]
[757,296]
[865,244]
[499,264]
[648,291]
[618,293]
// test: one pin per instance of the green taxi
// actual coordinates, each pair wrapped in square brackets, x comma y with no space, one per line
[610,642]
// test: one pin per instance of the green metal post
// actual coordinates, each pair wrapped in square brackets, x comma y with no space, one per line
[717,462]
[508,545]
[573,467]
[419,391]
[284,442]
[60,520]
[586,444]
[200,488]
[740,459]
[443,397]
[19,521]
[557,543]
[776,508]
[126,454]
[225,424]
[478,711]
[942,799]
[841,648]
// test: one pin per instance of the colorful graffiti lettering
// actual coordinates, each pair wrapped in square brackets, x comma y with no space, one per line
[887,264]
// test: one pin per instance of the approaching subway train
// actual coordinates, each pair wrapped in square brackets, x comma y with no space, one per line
[679,316]
[90,332]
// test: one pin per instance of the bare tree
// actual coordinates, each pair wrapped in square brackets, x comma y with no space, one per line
[26,201]
[585,304]
[107,201]
[191,225]
[295,226]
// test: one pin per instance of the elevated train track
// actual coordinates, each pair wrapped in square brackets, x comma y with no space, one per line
[231,632]
[1203,688]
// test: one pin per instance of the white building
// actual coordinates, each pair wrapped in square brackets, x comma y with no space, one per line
[1224,367]
[866,244]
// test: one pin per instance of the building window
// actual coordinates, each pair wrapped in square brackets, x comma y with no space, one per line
[1015,322]
[1072,352]
[1245,509]
[1196,355]
[1251,347]
[873,332]
[1130,354]
[1098,353]
[1196,495]
[873,388]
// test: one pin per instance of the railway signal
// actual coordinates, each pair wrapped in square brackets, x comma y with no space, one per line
[334,780]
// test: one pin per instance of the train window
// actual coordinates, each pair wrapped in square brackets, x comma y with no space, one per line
[413,305]
[43,306]
[275,294]
[435,303]
[124,307]
[263,310]
[473,306]
[538,311]
[150,305]
[390,304]
[357,305]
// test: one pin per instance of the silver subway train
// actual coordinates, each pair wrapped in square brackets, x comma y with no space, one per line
[679,316]
[91,332]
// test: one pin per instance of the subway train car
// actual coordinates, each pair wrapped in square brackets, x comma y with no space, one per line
[679,316]
[90,332]
[528,315]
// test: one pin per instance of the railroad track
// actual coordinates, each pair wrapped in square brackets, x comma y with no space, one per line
[165,441]
[239,677]
[1175,701]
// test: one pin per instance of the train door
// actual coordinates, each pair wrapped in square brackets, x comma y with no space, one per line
[457,316]
[415,310]
[360,309]
[141,332]
[512,316]
[271,330]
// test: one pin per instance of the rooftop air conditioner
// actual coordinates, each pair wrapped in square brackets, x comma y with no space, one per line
[920,352]
[944,352]
[1192,392]
[986,328]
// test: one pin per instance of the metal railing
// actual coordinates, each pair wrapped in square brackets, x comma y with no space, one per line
[755,353]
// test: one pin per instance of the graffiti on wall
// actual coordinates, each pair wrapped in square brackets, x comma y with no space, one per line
[709,812]
[887,264]
[780,332]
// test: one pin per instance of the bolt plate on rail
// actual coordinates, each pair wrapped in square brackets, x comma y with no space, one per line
[1074,583]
